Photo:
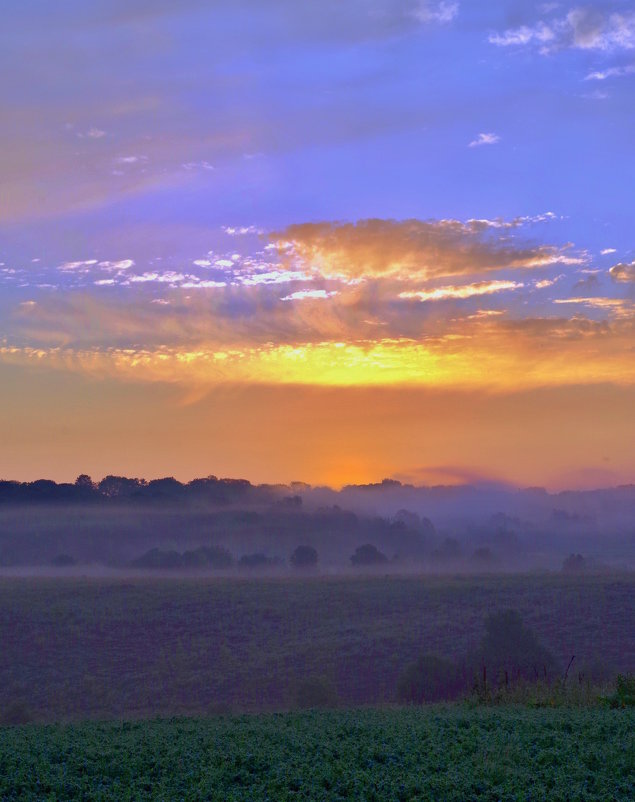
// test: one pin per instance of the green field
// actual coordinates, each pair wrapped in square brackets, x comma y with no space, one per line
[73,649]
[435,753]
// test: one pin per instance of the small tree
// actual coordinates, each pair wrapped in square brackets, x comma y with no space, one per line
[368,555]
[509,648]
[304,557]
[574,563]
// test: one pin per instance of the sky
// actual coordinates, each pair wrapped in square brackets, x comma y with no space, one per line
[330,242]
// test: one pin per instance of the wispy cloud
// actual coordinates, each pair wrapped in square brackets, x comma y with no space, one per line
[301,295]
[443,12]
[461,291]
[611,72]
[484,139]
[582,28]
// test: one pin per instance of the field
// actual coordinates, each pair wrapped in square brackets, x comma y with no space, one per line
[433,753]
[73,649]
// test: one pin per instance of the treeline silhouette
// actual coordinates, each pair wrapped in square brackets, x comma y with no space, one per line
[125,489]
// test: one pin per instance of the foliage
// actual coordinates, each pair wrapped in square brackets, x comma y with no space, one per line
[624,695]
[574,563]
[368,555]
[423,754]
[304,557]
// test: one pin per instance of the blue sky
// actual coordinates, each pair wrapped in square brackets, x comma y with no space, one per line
[270,181]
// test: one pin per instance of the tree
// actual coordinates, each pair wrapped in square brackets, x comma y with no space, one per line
[574,563]
[510,648]
[304,557]
[120,486]
[368,555]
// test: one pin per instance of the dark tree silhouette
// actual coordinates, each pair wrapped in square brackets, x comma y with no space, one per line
[304,557]
[510,646]
[574,563]
[368,555]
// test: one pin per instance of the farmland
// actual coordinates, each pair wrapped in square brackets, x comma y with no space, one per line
[434,753]
[74,649]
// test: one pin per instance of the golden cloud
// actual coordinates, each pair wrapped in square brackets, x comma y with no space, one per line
[484,351]
[410,249]
[623,272]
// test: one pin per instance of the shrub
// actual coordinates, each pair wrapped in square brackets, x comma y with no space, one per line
[429,679]
[624,695]
[368,555]
[304,557]
[574,563]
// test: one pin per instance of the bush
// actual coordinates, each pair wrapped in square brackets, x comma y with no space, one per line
[304,557]
[624,695]
[429,679]
[574,564]
[368,555]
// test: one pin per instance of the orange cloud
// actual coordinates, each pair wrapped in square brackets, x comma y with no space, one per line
[410,248]
[623,272]
[483,351]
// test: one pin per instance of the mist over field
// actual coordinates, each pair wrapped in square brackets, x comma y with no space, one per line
[225,525]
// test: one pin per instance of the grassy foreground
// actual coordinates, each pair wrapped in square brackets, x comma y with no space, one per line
[437,753]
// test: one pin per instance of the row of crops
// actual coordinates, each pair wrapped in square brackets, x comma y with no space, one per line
[436,753]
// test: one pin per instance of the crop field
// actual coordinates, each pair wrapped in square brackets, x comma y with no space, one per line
[74,649]
[434,753]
